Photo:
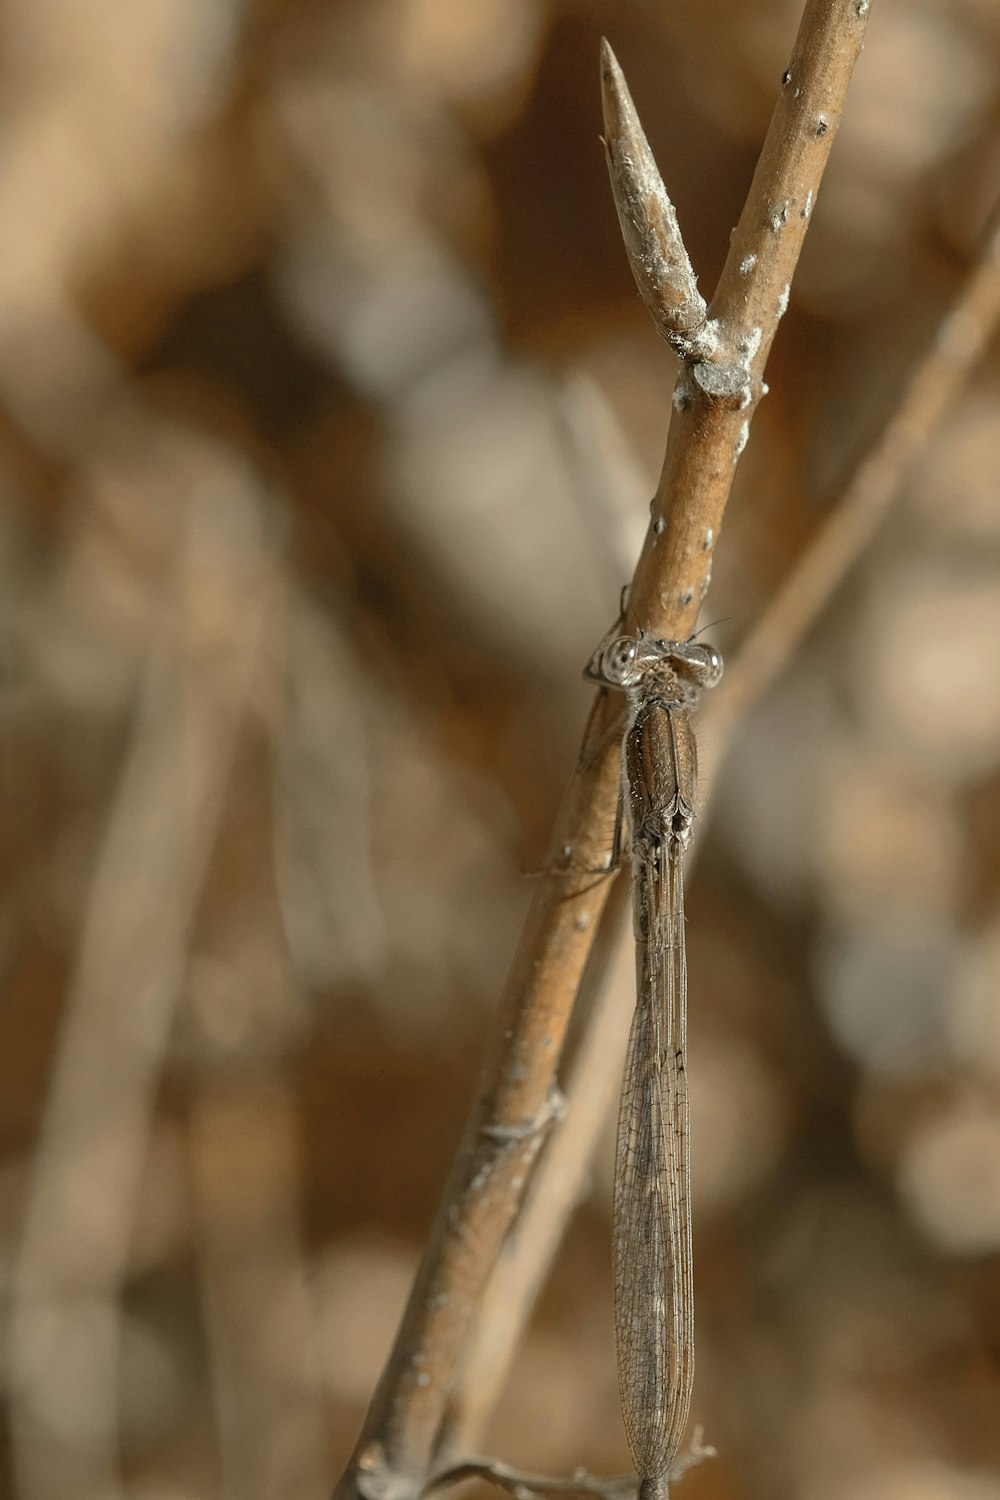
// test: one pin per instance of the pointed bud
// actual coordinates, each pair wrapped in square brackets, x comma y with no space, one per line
[653,241]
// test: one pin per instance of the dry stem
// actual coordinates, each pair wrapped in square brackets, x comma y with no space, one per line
[520,1484]
[556,1188]
[713,405]
[558,1183]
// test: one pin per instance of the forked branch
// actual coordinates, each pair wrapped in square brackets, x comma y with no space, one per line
[558,1184]
[713,404]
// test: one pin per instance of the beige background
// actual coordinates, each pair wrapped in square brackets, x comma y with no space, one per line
[329,418]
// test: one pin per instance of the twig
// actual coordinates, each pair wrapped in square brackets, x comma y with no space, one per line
[557,1185]
[713,406]
[707,435]
[521,1484]
[555,1189]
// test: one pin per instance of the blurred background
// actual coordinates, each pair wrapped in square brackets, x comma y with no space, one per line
[329,418]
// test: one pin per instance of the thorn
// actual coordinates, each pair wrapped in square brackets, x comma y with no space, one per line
[647,217]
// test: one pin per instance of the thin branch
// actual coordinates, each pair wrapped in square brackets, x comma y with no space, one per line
[707,436]
[713,406]
[558,1184]
[556,1188]
[521,1484]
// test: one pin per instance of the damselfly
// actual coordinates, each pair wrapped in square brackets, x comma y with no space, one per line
[654,1301]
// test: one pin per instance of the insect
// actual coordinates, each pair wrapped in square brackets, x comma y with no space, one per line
[653,1290]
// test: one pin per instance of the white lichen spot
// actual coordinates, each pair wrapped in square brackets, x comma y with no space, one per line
[778,217]
[742,440]
[583,921]
[516,1183]
[708,539]
[821,126]
[423,1379]
[807,206]
[750,343]
[764,388]
[681,396]
[705,343]
[862,7]
[659,526]
[747,264]
[786,292]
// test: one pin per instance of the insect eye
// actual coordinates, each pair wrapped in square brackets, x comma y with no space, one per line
[619,658]
[714,665]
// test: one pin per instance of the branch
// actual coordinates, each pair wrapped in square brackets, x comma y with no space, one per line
[521,1484]
[708,435]
[713,405]
[556,1188]
[558,1184]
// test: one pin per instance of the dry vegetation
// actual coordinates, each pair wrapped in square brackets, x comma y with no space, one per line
[329,419]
